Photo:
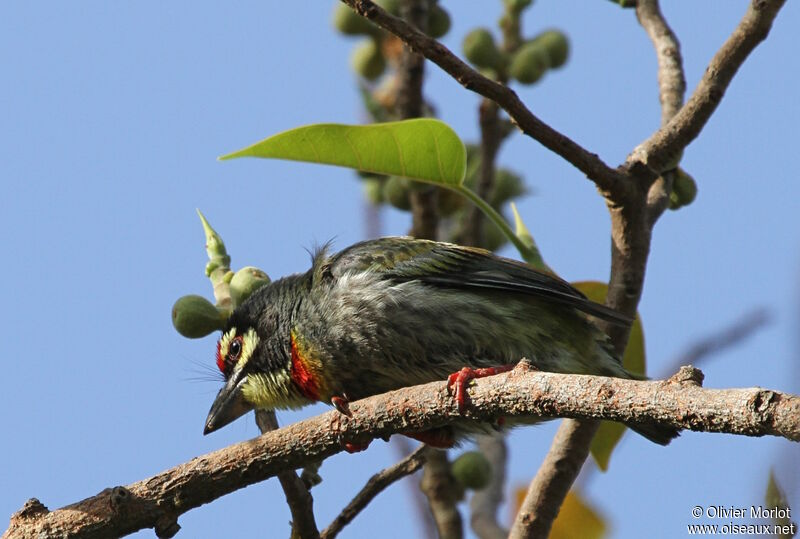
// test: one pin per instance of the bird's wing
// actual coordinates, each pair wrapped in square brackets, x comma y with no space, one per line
[453,266]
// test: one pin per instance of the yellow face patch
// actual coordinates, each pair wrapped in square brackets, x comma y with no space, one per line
[234,351]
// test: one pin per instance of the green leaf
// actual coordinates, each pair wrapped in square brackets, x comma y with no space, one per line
[609,433]
[421,149]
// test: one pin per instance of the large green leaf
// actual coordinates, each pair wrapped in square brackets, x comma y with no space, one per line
[609,433]
[421,149]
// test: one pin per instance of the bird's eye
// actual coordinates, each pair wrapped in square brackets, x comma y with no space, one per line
[235,348]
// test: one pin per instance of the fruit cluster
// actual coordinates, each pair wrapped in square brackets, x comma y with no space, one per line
[369,58]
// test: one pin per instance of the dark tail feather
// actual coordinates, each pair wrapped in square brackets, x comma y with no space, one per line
[656,433]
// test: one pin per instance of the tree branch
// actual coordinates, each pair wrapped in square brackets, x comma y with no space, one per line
[376,484]
[671,89]
[678,402]
[443,494]
[298,497]
[606,178]
[656,152]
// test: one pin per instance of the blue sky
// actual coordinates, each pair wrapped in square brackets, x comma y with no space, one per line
[113,115]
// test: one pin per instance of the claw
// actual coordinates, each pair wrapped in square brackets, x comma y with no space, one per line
[463,377]
[342,404]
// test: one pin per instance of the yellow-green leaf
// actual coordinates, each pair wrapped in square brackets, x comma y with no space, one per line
[422,149]
[609,433]
[776,499]
[577,519]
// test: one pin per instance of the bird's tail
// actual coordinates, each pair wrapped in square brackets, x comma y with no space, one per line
[656,433]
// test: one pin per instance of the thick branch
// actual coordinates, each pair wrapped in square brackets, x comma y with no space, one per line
[376,484]
[656,152]
[678,402]
[410,104]
[606,178]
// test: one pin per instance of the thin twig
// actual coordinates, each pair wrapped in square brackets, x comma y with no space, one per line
[485,502]
[443,493]
[376,484]
[301,503]
[607,179]
[671,89]
[656,152]
[402,446]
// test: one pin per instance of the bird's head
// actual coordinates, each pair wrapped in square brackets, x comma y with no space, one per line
[254,356]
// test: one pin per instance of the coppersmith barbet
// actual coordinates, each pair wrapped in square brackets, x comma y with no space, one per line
[396,312]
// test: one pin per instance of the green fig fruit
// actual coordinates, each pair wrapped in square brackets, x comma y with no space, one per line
[684,190]
[396,192]
[246,281]
[367,60]
[438,22]
[529,63]
[373,189]
[472,470]
[351,23]
[194,317]
[557,46]
[480,49]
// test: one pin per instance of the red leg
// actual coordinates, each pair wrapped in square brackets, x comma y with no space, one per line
[462,378]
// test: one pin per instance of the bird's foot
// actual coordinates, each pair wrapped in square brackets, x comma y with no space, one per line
[462,378]
[342,404]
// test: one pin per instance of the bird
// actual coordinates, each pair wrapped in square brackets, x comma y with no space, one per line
[397,311]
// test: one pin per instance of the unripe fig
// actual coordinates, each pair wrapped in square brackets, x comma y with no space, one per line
[438,22]
[373,189]
[472,470]
[557,46]
[479,48]
[351,23]
[367,60]
[396,191]
[529,63]
[684,190]
[194,317]
[246,281]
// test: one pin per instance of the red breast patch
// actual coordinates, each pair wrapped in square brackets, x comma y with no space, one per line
[302,375]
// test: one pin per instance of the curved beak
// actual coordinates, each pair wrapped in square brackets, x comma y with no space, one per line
[229,405]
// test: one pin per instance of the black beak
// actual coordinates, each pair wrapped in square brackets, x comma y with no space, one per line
[229,405]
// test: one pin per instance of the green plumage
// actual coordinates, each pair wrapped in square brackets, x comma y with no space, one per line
[395,312]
